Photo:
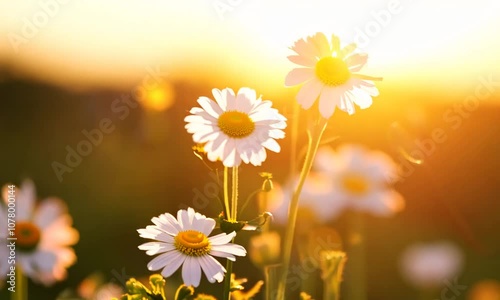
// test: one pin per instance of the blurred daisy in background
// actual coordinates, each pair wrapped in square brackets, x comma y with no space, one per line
[312,203]
[428,266]
[360,178]
[44,236]
[236,128]
[184,241]
[330,73]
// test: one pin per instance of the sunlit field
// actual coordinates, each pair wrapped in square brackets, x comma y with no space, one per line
[230,149]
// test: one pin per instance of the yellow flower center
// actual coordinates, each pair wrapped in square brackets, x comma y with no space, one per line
[236,124]
[355,184]
[192,243]
[332,71]
[28,236]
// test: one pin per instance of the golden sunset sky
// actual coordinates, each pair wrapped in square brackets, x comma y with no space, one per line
[87,44]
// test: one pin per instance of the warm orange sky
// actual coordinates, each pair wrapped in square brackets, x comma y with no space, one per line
[111,43]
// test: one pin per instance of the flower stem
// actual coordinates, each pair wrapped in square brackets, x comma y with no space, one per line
[21,292]
[355,274]
[234,195]
[227,280]
[226,193]
[294,138]
[312,148]
[232,217]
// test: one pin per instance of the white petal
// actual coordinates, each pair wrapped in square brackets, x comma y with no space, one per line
[219,97]
[213,270]
[298,76]
[306,61]
[173,265]
[321,43]
[329,99]
[230,97]
[205,225]
[361,98]
[231,249]
[272,145]
[309,92]
[245,99]
[222,254]
[25,200]
[48,211]
[153,248]
[356,61]
[221,238]
[210,106]
[346,104]
[191,271]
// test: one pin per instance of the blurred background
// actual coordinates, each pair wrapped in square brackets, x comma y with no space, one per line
[65,66]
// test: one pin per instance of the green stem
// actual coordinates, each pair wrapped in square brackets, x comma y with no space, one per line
[227,280]
[226,193]
[21,292]
[355,276]
[294,138]
[234,195]
[232,217]
[314,141]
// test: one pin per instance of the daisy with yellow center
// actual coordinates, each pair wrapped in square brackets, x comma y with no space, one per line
[360,178]
[185,241]
[236,128]
[44,236]
[330,73]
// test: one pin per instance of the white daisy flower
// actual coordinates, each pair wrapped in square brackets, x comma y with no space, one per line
[360,178]
[236,128]
[428,266]
[330,73]
[44,236]
[184,241]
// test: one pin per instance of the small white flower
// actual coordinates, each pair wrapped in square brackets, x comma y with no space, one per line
[330,73]
[361,179]
[44,236]
[184,241]
[236,128]
[428,266]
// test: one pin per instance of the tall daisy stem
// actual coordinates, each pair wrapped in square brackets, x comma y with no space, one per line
[312,148]
[21,292]
[294,138]
[226,193]
[232,218]
[234,195]
[227,280]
